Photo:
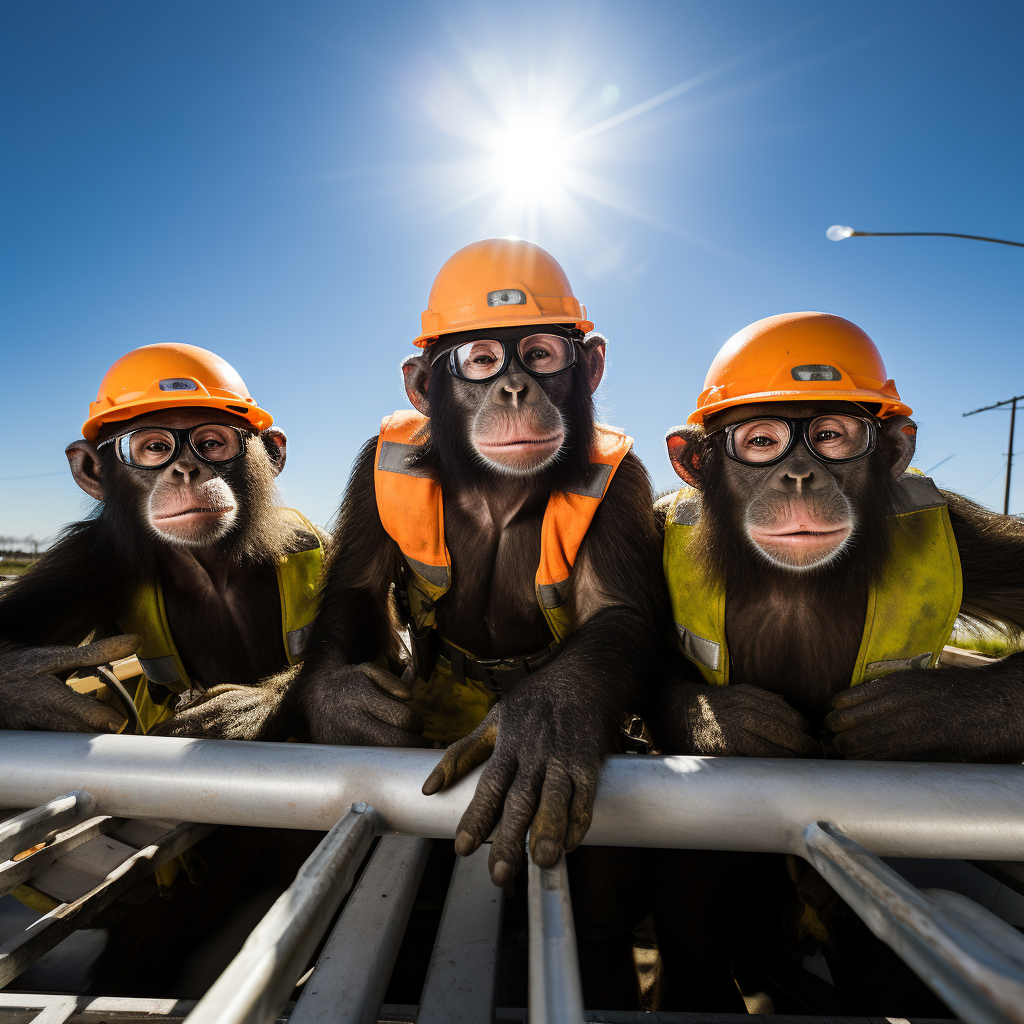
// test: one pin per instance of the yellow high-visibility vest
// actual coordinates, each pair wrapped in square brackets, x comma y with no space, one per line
[298,574]
[910,612]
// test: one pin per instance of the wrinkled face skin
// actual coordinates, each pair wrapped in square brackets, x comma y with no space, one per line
[514,424]
[188,503]
[798,513]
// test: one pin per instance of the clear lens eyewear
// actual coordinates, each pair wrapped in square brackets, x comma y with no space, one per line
[540,355]
[832,438]
[156,447]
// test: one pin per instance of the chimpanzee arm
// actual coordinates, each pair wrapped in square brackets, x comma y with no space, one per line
[341,696]
[952,714]
[547,736]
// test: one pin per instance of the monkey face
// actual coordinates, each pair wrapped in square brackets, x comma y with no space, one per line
[188,502]
[799,512]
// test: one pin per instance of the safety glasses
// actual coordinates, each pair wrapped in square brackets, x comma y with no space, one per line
[156,447]
[831,438]
[540,355]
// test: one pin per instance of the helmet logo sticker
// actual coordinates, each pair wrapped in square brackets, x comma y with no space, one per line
[816,371]
[178,384]
[506,297]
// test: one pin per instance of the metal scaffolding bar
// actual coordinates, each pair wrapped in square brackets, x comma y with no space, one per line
[352,973]
[555,989]
[25,830]
[257,983]
[463,972]
[972,959]
[967,811]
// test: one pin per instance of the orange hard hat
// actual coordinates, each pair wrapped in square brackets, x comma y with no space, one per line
[500,282]
[798,357]
[170,376]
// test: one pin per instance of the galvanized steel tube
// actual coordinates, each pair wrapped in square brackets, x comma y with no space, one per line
[894,809]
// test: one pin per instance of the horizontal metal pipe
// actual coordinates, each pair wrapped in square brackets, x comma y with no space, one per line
[720,803]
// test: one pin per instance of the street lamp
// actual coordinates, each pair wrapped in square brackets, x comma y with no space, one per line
[838,232]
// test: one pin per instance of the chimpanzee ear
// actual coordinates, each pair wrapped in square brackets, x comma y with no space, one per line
[416,370]
[683,446]
[902,433]
[593,360]
[276,443]
[85,467]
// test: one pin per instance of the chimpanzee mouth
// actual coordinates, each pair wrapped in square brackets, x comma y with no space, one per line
[517,442]
[196,511]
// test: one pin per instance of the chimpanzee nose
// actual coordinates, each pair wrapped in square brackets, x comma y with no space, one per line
[515,387]
[796,479]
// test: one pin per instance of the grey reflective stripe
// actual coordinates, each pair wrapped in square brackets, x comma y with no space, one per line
[704,652]
[686,513]
[395,457]
[598,475]
[308,541]
[918,493]
[553,595]
[436,575]
[900,664]
[297,640]
[161,670]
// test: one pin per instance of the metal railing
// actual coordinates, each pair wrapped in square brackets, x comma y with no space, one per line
[840,816]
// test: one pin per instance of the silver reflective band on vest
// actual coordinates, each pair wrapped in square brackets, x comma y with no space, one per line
[706,652]
[553,595]
[900,664]
[161,670]
[598,475]
[297,640]
[687,513]
[436,575]
[918,492]
[395,457]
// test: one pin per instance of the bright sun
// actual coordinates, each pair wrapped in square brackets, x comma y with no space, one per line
[530,159]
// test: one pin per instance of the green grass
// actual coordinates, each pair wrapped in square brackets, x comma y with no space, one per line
[13,568]
[984,642]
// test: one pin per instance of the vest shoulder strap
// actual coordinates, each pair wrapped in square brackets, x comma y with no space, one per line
[698,604]
[158,656]
[566,520]
[298,578]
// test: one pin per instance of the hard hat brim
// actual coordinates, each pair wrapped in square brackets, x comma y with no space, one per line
[586,326]
[888,407]
[259,418]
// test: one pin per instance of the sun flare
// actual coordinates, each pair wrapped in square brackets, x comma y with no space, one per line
[530,159]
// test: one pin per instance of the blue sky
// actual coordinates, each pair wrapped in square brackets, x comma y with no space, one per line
[280,182]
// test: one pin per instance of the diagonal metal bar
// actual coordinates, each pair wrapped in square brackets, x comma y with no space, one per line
[352,973]
[555,990]
[461,979]
[29,828]
[972,959]
[16,872]
[256,984]
[44,933]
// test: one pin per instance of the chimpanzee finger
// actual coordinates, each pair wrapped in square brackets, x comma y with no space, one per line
[506,855]
[884,706]
[380,734]
[485,808]
[581,811]
[872,742]
[28,662]
[764,742]
[852,695]
[386,680]
[551,822]
[391,711]
[462,757]
[78,713]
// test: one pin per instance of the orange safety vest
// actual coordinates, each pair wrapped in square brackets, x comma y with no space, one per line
[411,508]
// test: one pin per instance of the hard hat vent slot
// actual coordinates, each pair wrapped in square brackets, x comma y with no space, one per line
[506,297]
[178,384]
[816,371]
[237,408]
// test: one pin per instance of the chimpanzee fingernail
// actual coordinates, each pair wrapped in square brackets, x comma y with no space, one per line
[545,853]
[501,873]
[465,843]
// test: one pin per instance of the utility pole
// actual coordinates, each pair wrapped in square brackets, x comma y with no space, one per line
[1012,403]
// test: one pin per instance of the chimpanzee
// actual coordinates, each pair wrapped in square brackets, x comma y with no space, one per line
[187,554]
[814,583]
[816,575]
[189,560]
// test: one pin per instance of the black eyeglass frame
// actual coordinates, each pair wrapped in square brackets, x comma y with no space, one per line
[804,432]
[182,436]
[507,356]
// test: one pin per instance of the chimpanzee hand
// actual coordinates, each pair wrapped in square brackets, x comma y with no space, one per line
[233,712]
[545,757]
[736,721]
[32,697]
[357,705]
[955,714]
